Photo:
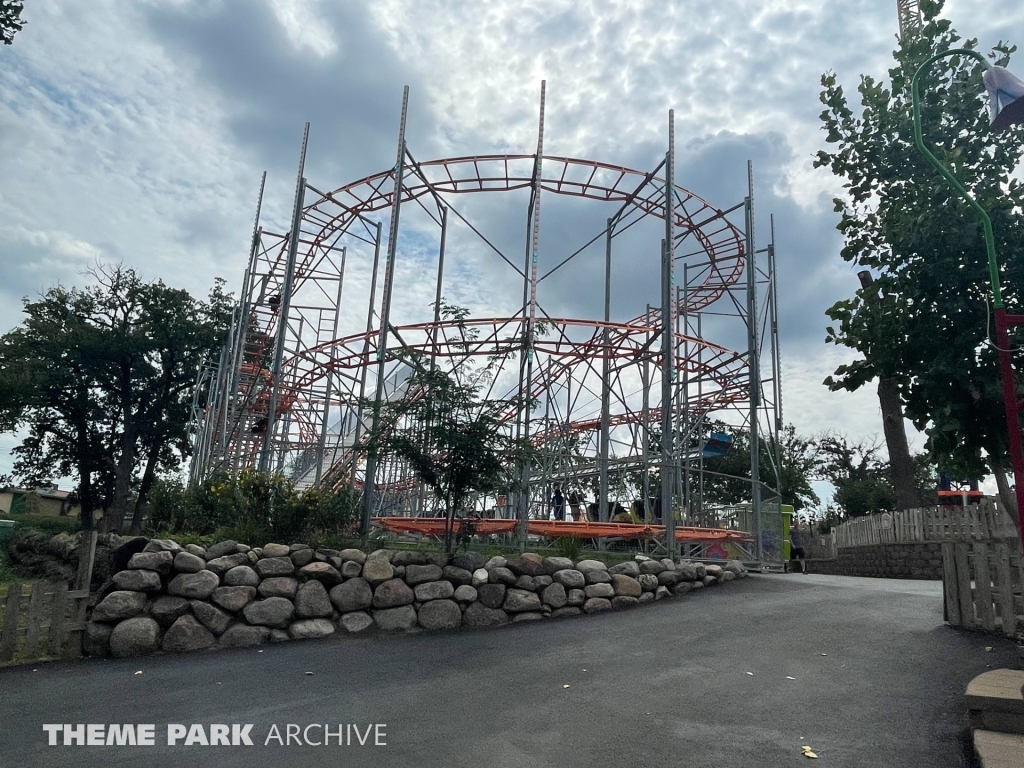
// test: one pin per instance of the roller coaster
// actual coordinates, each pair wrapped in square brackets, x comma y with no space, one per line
[332,308]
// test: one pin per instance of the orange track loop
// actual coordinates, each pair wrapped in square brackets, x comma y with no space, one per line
[433,526]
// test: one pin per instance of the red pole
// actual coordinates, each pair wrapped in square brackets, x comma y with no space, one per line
[1003,323]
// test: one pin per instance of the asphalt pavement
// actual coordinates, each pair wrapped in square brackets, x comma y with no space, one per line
[861,670]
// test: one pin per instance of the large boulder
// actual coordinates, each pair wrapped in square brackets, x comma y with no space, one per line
[517,600]
[302,558]
[440,614]
[137,636]
[243,635]
[195,549]
[241,576]
[356,621]
[433,590]
[469,561]
[139,581]
[221,565]
[187,634]
[628,568]
[554,564]
[457,576]
[233,598]
[420,574]
[526,566]
[652,566]
[479,615]
[713,570]
[355,555]
[626,585]
[529,583]
[377,570]
[586,566]
[276,550]
[309,628]
[222,548]
[188,562]
[270,612]
[575,597]
[501,575]
[119,605]
[595,604]
[491,595]
[681,588]
[554,595]
[598,577]
[325,573]
[353,595]
[194,586]
[96,641]
[152,561]
[162,545]
[211,617]
[479,577]
[392,593]
[167,609]
[496,562]
[648,582]
[407,557]
[667,578]
[312,601]
[279,586]
[396,619]
[465,594]
[624,601]
[570,578]
[267,567]
[599,590]
[350,569]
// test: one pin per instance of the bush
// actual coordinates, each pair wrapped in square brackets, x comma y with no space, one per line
[47,524]
[252,507]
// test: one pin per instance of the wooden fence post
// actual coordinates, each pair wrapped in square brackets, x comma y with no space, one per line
[86,557]
[950,585]
[9,632]
[963,584]
[1007,610]
[983,586]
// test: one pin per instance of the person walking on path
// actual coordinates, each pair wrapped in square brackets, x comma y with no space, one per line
[797,557]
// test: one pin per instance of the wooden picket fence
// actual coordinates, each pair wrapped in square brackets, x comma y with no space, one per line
[49,621]
[983,585]
[981,522]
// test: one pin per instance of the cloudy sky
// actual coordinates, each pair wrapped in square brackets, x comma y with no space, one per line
[136,131]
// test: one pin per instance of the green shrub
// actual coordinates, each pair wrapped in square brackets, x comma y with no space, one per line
[570,548]
[252,507]
[46,524]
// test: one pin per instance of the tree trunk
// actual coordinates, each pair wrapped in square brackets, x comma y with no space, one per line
[126,461]
[901,464]
[148,476]
[1006,496]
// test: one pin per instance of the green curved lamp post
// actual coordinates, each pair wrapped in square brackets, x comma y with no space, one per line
[1006,108]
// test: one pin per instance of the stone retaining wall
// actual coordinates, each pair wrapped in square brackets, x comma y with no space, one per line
[890,561]
[183,599]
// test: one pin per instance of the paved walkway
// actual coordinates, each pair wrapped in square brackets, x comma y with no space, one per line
[877,681]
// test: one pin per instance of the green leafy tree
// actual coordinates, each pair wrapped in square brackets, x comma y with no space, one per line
[101,380]
[727,478]
[10,19]
[457,443]
[924,322]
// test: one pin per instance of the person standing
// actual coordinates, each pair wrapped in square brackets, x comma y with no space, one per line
[558,503]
